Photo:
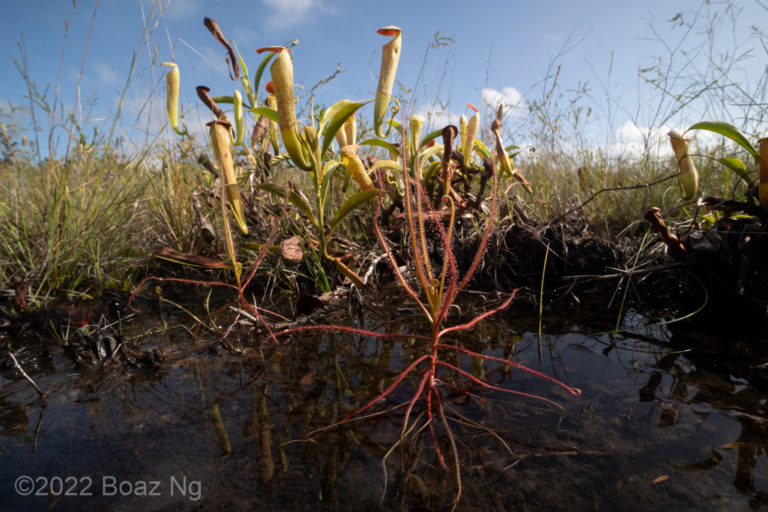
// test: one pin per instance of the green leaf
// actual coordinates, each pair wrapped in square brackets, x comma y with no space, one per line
[327,174]
[482,149]
[381,144]
[349,205]
[254,246]
[245,79]
[267,112]
[432,169]
[737,166]
[394,124]
[386,164]
[511,150]
[349,273]
[435,149]
[730,131]
[431,136]
[260,71]
[227,99]
[292,197]
[334,117]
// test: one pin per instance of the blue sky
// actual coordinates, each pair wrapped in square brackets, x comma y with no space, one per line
[498,51]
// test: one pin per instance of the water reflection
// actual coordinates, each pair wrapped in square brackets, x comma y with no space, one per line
[672,417]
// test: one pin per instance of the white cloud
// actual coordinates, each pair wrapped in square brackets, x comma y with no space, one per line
[104,74]
[288,13]
[632,140]
[630,132]
[435,117]
[509,97]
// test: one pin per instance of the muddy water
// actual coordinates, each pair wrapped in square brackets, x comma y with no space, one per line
[671,418]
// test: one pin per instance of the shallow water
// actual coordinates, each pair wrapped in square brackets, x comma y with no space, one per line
[670,418]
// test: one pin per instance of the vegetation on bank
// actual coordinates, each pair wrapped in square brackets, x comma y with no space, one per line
[91,219]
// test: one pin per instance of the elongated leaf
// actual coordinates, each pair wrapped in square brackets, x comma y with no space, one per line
[194,260]
[260,71]
[267,112]
[349,205]
[436,149]
[431,170]
[335,117]
[481,148]
[349,273]
[331,112]
[292,197]
[727,130]
[381,144]
[707,464]
[396,125]
[245,79]
[253,246]
[228,99]
[328,170]
[386,164]
[431,136]
[513,150]
[737,166]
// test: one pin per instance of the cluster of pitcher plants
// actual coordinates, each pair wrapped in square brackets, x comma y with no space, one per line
[430,179]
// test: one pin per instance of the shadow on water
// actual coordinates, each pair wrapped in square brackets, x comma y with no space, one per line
[670,418]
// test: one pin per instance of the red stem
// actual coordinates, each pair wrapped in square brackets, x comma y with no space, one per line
[571,390]
[496,388]
[483,316]
[387,391]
